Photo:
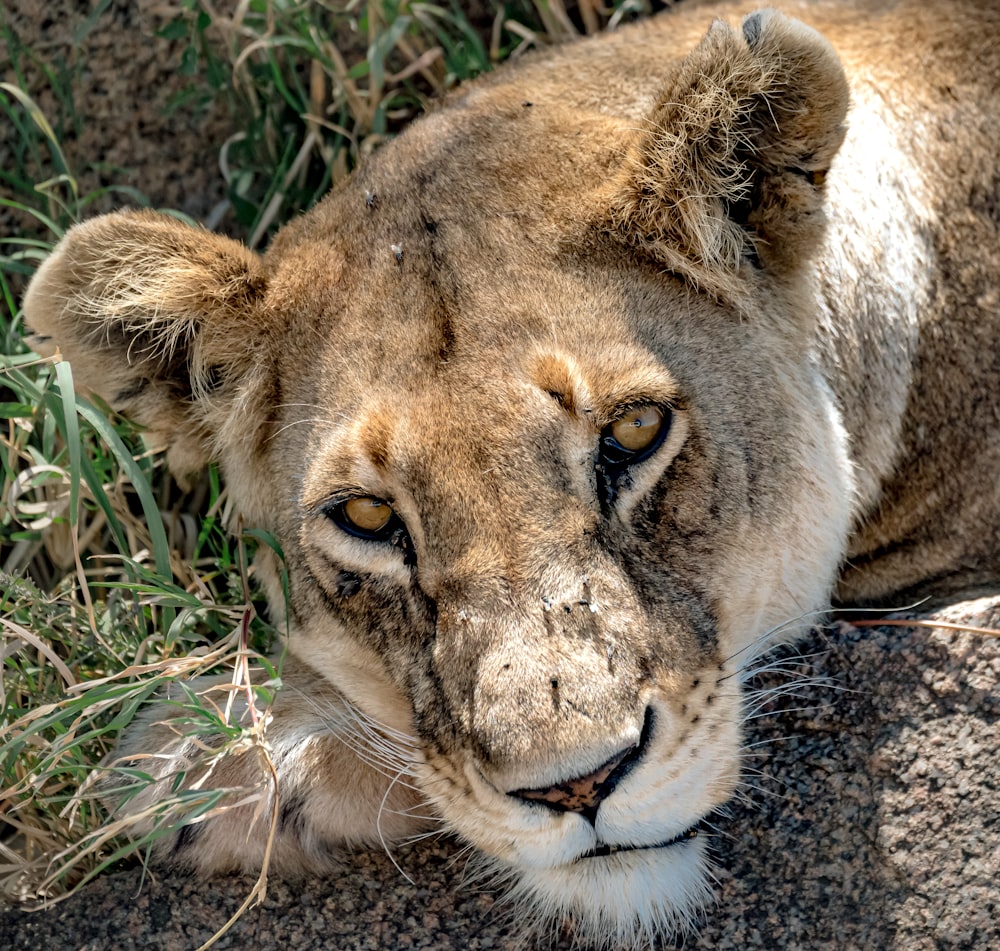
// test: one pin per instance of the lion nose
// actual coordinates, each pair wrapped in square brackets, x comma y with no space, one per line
[585,794]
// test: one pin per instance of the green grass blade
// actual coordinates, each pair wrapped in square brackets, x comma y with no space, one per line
[64,378]
[38,118]
[161,547]
[39,216]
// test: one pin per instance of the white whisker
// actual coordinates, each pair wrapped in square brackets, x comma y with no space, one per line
[381,835]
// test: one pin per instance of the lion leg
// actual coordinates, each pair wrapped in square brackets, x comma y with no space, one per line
[319,777]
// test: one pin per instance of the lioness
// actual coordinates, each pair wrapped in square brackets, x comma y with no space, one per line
[579,396]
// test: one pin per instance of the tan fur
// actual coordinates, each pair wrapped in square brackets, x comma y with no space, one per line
[797,267]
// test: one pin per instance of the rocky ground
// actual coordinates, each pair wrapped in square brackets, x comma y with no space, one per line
[871,822]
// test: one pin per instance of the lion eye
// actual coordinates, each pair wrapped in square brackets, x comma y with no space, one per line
[635,435]
[366,517]
[638,428]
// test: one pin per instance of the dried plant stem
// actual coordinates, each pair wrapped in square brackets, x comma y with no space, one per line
[925,622]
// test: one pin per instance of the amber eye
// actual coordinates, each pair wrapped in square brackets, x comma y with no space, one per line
[638,428]
[365,517]
[367,514]
[635,435]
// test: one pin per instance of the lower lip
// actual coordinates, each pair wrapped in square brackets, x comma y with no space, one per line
[604,850]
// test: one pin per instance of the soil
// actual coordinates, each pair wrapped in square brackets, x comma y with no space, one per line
[127,124]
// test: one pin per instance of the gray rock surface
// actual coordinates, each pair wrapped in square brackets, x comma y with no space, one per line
[871,821]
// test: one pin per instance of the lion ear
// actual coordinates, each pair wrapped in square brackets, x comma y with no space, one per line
[729,168]
[162,320]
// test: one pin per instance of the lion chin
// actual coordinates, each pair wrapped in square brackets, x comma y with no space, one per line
[628,899]
[577,398]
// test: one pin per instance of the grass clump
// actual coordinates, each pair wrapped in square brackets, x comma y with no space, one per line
[108,589]
[113,579]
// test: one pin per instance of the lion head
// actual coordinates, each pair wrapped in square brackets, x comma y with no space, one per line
[531,406]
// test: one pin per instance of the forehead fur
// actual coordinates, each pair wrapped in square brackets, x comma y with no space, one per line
[601,387]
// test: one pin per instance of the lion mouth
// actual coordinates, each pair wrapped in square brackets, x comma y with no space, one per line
[602,851]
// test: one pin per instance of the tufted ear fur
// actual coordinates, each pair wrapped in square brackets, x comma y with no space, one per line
[730,166]
[163,320]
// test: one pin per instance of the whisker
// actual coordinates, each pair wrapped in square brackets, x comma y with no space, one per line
[467,852]
[769,635]
[750,748]
[424,836]
[356,730]
[381,835]
[770,713]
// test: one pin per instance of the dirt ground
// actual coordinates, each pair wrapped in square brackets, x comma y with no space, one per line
[873,822]
[129,129]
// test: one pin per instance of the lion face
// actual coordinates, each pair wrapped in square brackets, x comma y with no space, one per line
[536,524]
[549,463]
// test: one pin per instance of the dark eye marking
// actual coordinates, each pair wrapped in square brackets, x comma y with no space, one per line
[635,435]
